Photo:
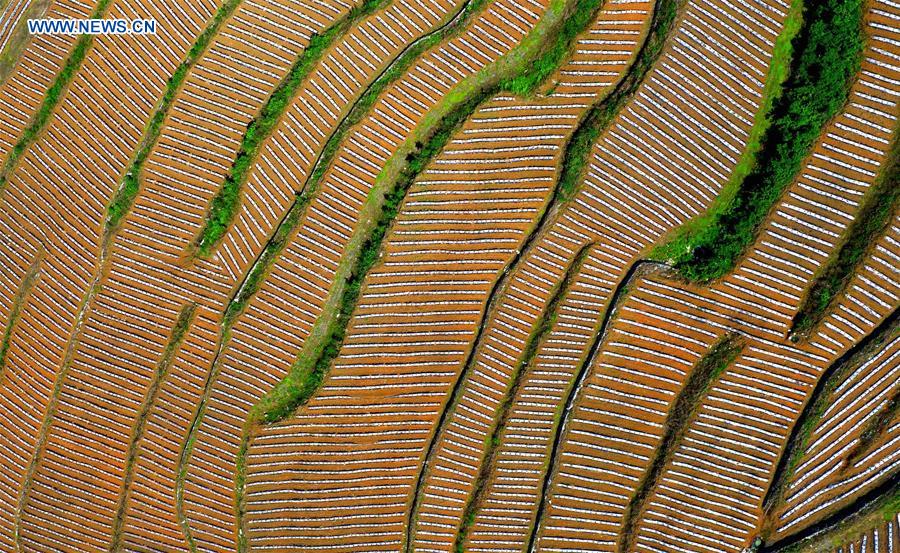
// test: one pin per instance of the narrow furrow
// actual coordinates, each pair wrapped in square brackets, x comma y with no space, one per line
[560,428]
[488,463]
[31,275]
[181,328]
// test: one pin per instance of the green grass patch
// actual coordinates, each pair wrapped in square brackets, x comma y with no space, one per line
[128,189]
[826,56]
[492,442]
[872,220]
[31,275]
[575,21]
[51,98]
[707,370]
[225,204]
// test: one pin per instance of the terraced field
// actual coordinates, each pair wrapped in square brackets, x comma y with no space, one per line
[451,276]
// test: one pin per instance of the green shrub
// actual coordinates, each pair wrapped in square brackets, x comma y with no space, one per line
[827,57]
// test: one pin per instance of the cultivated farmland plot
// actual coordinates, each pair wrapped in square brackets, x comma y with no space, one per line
[450,276]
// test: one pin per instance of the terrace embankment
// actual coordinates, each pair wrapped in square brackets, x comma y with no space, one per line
[60,173]
[32,71]
[488,464]
[877,208]
[28,280]
[835,434]
[681,414]
[625,228]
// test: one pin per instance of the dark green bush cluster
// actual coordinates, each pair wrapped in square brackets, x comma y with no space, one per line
[827,57]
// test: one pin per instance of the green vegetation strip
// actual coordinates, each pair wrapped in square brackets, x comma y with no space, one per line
[18,39]
[578,149]
[360,108]
[226,202]
[31,275]
[872,220]
[303,379]
[827,54]
[682,240]
[51,98]
[179,331]
[820,399]
[707,370]
[128,189]
[543,328]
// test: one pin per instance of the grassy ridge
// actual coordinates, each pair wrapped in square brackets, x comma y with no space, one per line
[304,379]
[503,410]
[827,55]
[225,204]
[699,381]
[872,220]
[362,106]
[124,197]
[51,97]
